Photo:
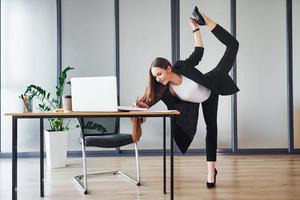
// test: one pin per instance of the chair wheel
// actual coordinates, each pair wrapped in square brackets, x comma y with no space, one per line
[86,192]
[138,184]
[114,173]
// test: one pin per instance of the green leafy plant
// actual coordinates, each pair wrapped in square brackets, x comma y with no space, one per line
[48,103]
[94,126]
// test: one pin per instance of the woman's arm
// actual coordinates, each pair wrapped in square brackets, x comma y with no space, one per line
[196,56]
[197,34]
[194,59]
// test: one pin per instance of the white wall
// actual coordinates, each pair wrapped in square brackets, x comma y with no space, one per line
[88,37]
[261,74]
[28,47]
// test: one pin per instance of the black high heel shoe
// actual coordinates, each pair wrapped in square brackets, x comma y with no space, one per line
[198,17]
[213,184]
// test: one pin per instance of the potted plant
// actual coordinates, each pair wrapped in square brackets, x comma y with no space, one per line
[56,138]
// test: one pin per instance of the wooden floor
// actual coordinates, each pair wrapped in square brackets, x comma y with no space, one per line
[239,177]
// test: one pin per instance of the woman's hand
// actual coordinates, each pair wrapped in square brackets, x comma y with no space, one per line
[193,24]
[142,104]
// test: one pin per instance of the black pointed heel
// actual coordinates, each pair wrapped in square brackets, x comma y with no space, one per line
[198,17]
[213,184]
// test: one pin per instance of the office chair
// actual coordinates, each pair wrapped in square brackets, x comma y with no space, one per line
[107,139]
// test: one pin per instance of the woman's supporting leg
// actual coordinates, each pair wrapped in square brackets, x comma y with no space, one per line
[211,165]
[210,109]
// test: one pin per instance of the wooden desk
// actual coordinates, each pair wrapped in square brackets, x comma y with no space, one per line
[42,115]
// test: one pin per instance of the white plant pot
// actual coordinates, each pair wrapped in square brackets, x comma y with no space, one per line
[56,148]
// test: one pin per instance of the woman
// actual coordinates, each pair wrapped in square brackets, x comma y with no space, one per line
[183,87]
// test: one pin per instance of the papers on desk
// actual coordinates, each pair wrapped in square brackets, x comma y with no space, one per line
[164,111]
[131,108]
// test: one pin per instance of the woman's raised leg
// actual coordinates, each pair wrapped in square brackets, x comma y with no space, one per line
[232,45]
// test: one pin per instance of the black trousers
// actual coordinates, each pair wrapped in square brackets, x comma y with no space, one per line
[210,106]
[210,110]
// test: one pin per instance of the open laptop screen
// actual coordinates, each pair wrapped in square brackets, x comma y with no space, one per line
[94,94]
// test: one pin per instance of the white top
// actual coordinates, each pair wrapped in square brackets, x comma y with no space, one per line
[191,91]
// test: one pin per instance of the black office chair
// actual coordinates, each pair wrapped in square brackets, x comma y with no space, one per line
[95,133]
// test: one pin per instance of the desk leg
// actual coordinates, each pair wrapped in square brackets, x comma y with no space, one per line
[164,157]
[172,160]
[14,157]
[41,157]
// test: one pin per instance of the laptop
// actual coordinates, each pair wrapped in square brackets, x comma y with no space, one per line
[97,94]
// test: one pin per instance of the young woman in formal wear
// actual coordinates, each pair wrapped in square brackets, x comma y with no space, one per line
[183,87]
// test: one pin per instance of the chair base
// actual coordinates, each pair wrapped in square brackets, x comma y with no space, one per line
[78,179]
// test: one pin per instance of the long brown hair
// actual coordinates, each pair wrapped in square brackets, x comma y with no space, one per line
[152,88]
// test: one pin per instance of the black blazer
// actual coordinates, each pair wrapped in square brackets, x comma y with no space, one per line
[186,123]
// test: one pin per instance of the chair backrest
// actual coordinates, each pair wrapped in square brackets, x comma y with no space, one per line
[99,126]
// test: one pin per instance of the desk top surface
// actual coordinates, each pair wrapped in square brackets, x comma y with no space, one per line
[165,113]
